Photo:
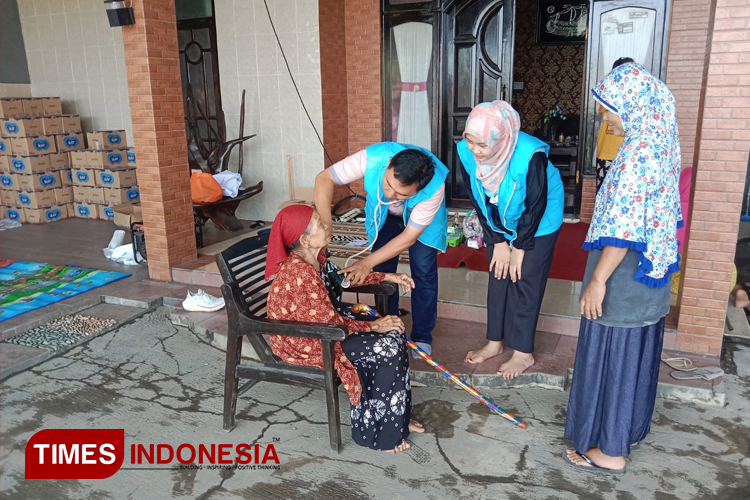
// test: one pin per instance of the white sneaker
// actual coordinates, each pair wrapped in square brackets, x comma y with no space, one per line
[202,302]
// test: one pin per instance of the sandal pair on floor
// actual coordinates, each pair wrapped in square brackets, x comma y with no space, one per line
[684,369]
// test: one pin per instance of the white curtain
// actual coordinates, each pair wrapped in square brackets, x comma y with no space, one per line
[627,32]
[414,52]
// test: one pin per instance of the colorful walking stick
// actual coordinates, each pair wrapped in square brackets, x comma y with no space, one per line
[463,385]
[367,310]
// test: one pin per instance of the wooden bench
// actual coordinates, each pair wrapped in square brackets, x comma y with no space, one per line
[245,291]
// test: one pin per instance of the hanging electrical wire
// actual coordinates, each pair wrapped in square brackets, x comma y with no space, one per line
[354,195]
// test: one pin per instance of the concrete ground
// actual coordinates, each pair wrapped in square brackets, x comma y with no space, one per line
[163,385]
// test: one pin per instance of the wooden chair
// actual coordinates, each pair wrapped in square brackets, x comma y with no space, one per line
[215,160]
[245,291]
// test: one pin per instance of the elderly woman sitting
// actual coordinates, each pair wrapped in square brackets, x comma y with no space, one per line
[371,362]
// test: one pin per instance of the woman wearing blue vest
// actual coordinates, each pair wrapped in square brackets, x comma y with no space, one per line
[405,209]
[518,195]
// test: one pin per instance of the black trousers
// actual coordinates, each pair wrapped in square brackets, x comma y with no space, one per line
[513,308]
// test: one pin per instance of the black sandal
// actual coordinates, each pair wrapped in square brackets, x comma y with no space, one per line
[596,469]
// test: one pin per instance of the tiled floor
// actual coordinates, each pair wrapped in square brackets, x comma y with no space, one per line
[213,235]
[69,241]
[80,242]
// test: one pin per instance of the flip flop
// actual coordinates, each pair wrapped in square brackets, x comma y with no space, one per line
[681,364]
[596,469]
[705,372]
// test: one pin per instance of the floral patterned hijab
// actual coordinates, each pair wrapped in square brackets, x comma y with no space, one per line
[638,205]
[496,124]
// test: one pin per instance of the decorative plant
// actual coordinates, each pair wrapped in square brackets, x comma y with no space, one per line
[554,115]
[552,121]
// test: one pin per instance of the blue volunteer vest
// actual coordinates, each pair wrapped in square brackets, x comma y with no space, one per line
[512,193]
[378,155]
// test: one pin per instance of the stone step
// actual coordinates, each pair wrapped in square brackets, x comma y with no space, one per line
[555,356]
[206,276]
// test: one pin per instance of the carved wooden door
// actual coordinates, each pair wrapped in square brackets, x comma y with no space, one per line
[478,57]
[199,68]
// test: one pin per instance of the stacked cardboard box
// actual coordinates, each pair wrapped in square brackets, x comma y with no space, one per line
[46,171]
[34,168]
[103,177]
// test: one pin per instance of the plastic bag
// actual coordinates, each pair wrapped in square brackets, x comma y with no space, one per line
[472,226]
[475,242]
[9,224]
[118,252]
[204,188]
[230,182]
[473,231]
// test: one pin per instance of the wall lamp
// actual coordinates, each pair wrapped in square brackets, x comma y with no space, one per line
[118,14]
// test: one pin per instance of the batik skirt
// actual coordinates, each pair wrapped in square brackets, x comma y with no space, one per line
[381,419]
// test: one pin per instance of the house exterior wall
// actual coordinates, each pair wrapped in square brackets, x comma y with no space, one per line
[249,58]
[686,60]
[73,53]
[722,148]
[15,90]
[363,61]
[334,86]
[588,199]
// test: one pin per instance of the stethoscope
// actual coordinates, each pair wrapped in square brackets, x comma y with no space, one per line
[345,284]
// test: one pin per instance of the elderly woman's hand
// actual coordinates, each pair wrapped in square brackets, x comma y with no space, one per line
[401,279]
[387,324]
[592,298]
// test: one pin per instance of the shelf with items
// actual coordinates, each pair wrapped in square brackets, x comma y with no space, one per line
[565,158]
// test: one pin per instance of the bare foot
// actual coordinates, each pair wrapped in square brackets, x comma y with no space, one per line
[516,365]
[493,348]
[402,447]
[741,299]
[415,426]
[599,458]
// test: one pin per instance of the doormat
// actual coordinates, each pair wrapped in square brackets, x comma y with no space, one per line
[62,332]
[349,238]
[568,260]
[26,286]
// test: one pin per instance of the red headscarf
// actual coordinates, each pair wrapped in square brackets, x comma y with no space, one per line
[287,228]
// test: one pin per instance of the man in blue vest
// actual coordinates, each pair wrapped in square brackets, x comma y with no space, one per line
[405,209]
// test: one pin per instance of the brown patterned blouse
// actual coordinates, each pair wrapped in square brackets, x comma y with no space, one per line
[299,294]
